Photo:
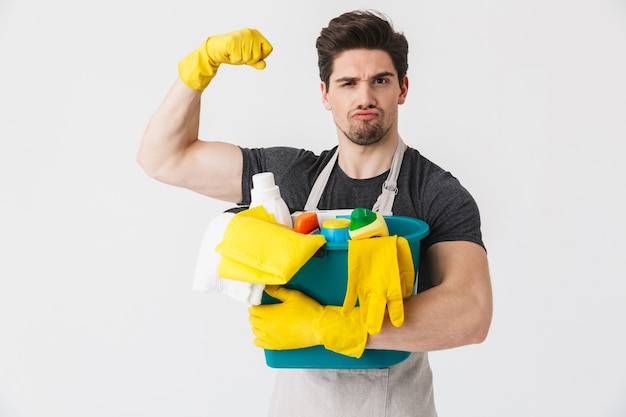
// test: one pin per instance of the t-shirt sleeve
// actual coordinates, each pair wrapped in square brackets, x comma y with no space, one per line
[452,212]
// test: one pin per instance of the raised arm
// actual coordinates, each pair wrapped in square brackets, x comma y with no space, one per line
[170,150]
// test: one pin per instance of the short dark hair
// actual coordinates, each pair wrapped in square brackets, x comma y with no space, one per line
[367,29]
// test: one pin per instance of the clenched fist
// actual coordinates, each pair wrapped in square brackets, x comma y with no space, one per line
[243,47]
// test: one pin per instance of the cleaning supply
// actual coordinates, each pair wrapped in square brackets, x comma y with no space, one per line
[365,223]
[246,46]
[206,278]
[256,249]
[266,193]
[336,230]
[380,274]
[299,321]
[379,270]
[306,223]
[325,280]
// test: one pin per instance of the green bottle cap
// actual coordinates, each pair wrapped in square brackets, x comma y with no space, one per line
[361,217]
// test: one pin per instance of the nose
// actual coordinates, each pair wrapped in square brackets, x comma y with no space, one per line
[364,96]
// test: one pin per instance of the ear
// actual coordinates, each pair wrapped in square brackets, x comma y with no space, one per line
[404,90]
[325,98]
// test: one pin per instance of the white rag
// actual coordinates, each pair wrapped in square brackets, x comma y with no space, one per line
[206,278]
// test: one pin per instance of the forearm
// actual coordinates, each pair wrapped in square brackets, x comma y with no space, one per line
[439,318]
[171,131]
[455,312]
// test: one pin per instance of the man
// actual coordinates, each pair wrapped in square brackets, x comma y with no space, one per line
[363,64]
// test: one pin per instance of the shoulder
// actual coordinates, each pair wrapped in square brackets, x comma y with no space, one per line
[442,201]
[418,163]
[429,176]
[284,155]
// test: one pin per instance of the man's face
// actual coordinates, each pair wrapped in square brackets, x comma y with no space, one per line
[364,94]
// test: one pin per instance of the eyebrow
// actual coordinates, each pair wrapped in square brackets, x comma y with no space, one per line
[353,79]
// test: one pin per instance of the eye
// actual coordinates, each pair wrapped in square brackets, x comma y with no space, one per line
[381,80]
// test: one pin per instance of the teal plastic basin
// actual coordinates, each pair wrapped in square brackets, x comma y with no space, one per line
[325,279]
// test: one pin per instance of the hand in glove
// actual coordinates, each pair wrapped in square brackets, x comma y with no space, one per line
[381,275]
[299,321]
[243,47]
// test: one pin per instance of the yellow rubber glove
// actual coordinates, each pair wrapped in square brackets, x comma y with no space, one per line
[257,250]
[299,321]
[243,47]
[381,275]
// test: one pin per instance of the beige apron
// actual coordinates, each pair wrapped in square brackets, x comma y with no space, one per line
[403,390]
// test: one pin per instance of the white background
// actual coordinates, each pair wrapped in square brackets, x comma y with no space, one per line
[525,102]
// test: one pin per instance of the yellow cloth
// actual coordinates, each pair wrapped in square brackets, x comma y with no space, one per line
[256,249]
[243,47]
[299,321]
[380,274]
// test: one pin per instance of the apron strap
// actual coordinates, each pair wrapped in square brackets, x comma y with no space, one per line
[383,204]
[320,184]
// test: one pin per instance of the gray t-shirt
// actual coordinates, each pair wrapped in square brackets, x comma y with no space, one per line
[425,191]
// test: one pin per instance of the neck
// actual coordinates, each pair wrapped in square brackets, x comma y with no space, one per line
[362,162]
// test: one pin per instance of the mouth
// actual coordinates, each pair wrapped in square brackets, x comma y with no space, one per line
[365,115]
